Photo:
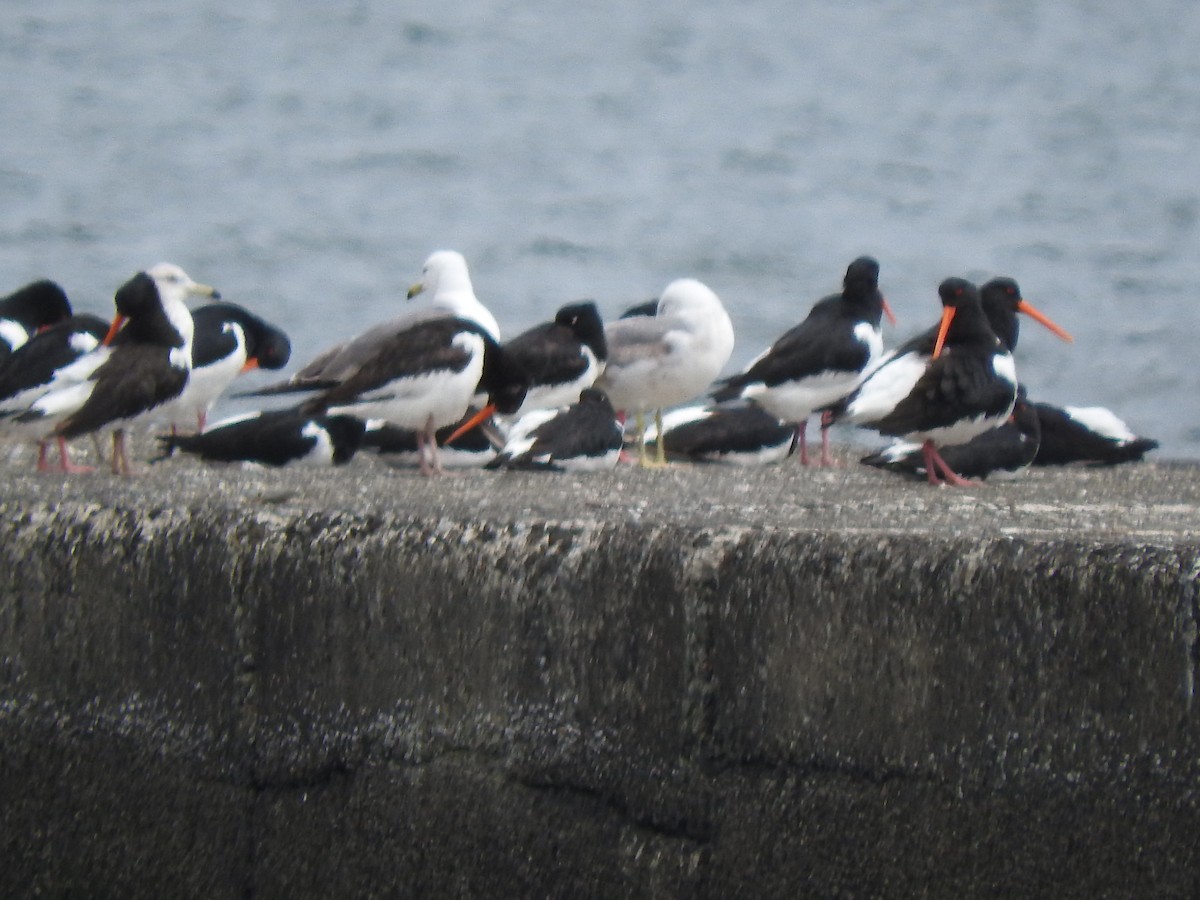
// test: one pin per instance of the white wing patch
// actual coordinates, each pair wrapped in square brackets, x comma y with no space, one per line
[1102,421]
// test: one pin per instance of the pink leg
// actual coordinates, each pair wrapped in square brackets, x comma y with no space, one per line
[933,458]
[201,420]
[801,428]
[826,422]
[427,451]
[64,459]
[43,464]
[120,464]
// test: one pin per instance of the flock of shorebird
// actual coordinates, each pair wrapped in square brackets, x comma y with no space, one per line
[436,383]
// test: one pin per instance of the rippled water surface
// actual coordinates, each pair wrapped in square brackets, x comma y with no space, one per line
[306,157]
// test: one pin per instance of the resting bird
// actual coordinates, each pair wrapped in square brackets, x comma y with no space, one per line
[561,357]
[273,438]
[143,362]
[421,369]
[739,434]
[669,358]
[29,309]
[1086,434]
[582,437]
[1007,449]
[821,360]
[227,340]
[965,385]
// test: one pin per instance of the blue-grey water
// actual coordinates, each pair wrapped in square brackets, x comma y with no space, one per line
[305,157]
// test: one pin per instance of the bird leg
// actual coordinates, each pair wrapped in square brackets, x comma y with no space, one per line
[933,460]
[639,424]
[801,428]
[427,450]
[826,422]
[64,459]
[120,460]
[660,444]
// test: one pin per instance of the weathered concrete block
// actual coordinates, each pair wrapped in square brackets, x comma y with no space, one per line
[361,683]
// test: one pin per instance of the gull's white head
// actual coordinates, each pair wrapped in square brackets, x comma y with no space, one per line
[447,283]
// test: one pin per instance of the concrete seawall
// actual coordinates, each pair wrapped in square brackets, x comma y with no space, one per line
[691,683]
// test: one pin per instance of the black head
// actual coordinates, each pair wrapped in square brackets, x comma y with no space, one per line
[862,277]
[504,379]
[1001,298]
[585,323]
[958,292]
[36,305]
[136,296]
[346,433]
[138,301]
[597,397]
[265,343]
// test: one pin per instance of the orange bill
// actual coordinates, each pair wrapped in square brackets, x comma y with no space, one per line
[887,311]
[482,416]
[1024,307]
[947,317]
[117,322]
[250,365]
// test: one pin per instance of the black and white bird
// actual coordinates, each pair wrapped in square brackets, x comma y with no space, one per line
[1069,434]
[1002,301]
[45,360]
[227,340]
[424,378]
[1089,435]
[273,438]
[420,370]
[1005,450]
[655,362]
[472,449]
[142,362]
[963,386]
[445,290]
[562,357]
[740,434]
[582,437]
[29,309]
[821,360]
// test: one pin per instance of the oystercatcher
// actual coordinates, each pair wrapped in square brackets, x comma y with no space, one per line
[561,357]
[965,385]
[671,357]
[582,437]
[227,340]
[273,438]
[1007,449]
[740,434]
[142,362]
[821,360]
[29,309]
[1002,301]
[1087,434]
[45,360]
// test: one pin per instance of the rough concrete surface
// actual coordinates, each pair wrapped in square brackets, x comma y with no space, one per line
[698,682]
